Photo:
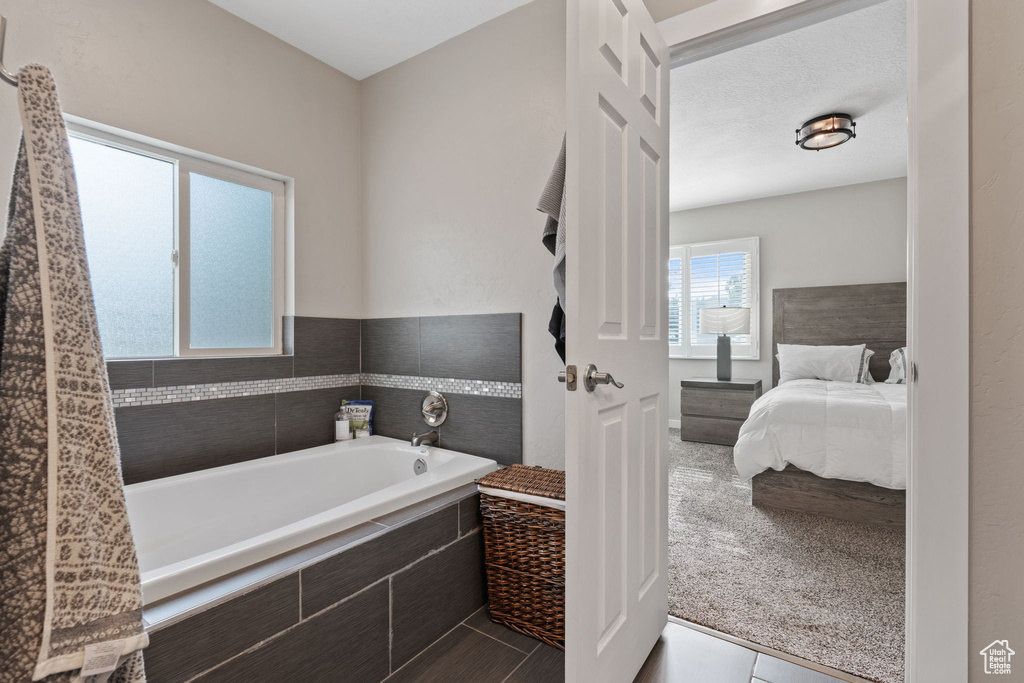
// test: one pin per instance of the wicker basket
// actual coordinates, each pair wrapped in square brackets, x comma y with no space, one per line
[524,547]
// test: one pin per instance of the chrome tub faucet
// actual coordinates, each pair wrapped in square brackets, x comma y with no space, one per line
[428,439]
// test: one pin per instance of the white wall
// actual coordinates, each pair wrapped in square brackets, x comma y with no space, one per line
[189,73]
[997,330]
[848,235]
[457,144]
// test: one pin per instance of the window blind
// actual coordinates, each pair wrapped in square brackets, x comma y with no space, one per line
[711,275]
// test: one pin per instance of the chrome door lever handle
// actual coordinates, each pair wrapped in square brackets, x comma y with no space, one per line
[591,378]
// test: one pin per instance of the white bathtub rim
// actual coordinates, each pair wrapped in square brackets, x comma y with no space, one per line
[178,577]
[180,606]
[163,582]
[273,460]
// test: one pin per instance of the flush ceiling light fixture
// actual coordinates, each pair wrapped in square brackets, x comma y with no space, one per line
[822,132]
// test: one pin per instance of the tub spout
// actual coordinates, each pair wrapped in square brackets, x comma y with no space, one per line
[428,439]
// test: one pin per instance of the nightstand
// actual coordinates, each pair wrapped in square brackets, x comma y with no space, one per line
[712,411]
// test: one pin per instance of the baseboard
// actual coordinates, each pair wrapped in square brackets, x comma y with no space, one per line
[673,424]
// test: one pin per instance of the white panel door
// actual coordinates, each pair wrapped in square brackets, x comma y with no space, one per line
[616,438]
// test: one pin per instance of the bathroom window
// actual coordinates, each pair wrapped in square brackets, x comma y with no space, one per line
[186,255]
[706,275]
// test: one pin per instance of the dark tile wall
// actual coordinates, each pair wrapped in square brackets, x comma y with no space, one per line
[486,426]
[472,346]
[164,440]
[207,641]
[357,615]
[306,418]
[421,613]
[313,346]
[480,347]
[175,438]
[325,346]
[334,579]
[396,412]
[391,345]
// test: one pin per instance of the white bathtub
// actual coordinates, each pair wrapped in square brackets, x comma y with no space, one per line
[192,528]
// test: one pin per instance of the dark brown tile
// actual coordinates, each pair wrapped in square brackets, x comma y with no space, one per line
[306,418]
[164,440]
[195,644]
[346,643]
[774,670]
[337,577]
[472,346]
[546,664]
[325,346]
[173,372]
[239,582]
[434,595]
[683,654]
[396,412]
[288,334]
[481,621]
[469,514]
[462,656]
[130,374]
[485,426]
[391,346]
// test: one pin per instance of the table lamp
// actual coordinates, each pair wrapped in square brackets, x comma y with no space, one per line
[723,322]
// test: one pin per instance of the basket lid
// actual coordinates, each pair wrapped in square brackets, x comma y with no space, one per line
[535,481]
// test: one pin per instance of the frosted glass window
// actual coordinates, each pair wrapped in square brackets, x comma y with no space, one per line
[232,268]
[127,204]
[141,205]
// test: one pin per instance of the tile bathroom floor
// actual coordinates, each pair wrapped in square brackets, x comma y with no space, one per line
[480,651]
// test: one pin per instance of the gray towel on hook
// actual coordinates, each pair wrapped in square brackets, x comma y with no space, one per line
[69,577]
[552,203]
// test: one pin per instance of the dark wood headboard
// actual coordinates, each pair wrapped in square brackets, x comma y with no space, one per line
[875,315]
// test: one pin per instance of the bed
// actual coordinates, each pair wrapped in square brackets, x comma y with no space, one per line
[832,448]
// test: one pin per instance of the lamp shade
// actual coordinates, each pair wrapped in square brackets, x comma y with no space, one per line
[725,320]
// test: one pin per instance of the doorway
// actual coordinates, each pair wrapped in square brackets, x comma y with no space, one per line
[809,246]
[937,296]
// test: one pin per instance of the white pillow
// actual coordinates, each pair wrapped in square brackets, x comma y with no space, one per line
[898,366]
[834,363]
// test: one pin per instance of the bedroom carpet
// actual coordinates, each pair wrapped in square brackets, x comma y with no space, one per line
[822,589]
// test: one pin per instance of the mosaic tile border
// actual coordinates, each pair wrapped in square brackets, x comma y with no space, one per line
[448,385]
[124,398]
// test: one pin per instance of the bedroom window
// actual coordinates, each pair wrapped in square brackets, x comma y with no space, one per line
[712,274]
[186,255]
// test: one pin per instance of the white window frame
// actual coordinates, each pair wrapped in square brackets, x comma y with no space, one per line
[688,350]
[184,164]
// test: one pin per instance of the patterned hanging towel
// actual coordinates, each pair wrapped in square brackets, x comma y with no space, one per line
[70,595]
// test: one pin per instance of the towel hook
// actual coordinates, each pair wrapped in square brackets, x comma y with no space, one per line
[4,73]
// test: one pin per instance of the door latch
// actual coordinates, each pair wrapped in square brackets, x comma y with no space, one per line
[568,376]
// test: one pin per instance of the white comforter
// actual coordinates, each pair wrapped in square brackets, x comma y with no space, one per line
[836,430]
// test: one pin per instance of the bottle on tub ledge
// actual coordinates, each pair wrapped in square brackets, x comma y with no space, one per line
[354,419]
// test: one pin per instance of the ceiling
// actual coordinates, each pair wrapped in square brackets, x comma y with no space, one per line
[665,9]
[733,116]
[362,37]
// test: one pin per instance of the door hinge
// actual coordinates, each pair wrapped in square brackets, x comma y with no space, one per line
[174,256]
[913,371]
